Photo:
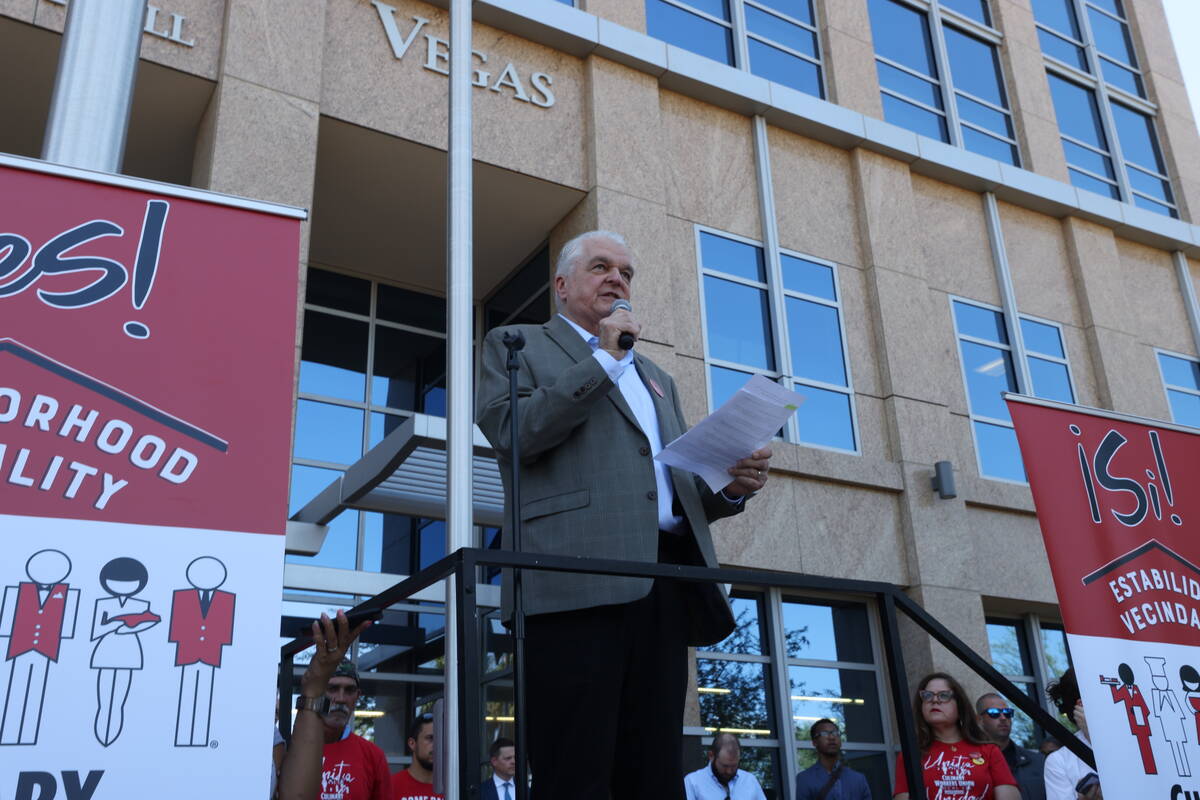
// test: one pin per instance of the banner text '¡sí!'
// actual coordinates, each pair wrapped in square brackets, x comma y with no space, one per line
[114,437]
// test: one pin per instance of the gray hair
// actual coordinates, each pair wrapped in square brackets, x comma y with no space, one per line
[983,698]
[569,255]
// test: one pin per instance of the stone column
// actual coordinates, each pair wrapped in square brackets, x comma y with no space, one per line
[626,13]
[258,137]
[918,373]
[1126,374]
[1028,92]
[850,57]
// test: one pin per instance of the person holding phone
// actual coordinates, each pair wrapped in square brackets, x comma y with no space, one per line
[325,759]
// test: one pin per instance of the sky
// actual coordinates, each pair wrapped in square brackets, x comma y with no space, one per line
[1184,18]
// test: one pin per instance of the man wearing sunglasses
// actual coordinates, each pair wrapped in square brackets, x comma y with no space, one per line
[996,719]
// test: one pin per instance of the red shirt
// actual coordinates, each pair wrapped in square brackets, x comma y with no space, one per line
[959,771]
[354,769]
[406,787]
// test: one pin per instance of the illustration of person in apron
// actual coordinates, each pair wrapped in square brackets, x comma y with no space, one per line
[116,622]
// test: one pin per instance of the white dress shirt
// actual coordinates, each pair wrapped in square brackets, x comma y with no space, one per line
[1062,772]
[703,785]
[501,783]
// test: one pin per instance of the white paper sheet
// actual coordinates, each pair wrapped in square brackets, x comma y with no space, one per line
[746,422]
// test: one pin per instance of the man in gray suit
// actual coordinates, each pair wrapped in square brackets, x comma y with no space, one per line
[606,656]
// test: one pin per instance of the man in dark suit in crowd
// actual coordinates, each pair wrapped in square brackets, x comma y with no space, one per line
[606,656]
[503,755]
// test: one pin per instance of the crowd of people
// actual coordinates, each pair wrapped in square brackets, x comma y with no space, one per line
[966,750]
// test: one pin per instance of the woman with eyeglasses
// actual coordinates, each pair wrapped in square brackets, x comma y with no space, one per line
[958,762]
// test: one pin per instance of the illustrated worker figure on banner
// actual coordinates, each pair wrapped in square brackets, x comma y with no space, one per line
[116,622]
[35,615]
[1126,691]
[201,625]
[1190,679]
[1169,713]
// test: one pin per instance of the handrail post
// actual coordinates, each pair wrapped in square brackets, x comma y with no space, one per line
[469,662]
[898,682]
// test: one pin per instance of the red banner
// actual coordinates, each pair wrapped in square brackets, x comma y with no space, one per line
[1118,505]
[147,343]
[141,336]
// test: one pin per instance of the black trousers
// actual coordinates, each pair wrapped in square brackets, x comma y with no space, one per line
[606,690]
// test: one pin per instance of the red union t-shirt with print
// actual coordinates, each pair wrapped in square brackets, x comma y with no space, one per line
[406,787]
[959,771]
[354,769]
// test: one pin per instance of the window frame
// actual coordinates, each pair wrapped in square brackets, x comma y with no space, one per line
[1172,387]
[780,341]
[1016,351]
[1029,629]
[937,17]
[1105,93]
[786,742]
[741,35]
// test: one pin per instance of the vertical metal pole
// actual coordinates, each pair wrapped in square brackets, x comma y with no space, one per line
[93,91]
[283,685]
[459,390]
[942,57]
[898,681]
[783,690]
[469,671]
[515,342]
[770,234]
[1188,289]
[1008,295]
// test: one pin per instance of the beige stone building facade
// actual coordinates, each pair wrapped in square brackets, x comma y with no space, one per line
[900,208]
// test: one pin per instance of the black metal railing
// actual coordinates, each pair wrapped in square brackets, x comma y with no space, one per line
[464,565]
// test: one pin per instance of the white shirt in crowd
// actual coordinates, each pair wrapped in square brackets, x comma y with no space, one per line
[703,785]
[1063,770]
[500,786]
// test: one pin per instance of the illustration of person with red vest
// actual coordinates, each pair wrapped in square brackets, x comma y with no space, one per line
[1191,692]
[35,616]
[116,622]
[1136,710]
[201,625]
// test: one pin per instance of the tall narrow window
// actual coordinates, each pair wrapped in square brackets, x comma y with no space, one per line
[702,26]
[780,36]
[1031,653]
[806,350]
[372,354]
[1181,381]
[988,371]
[1106,124]
[940,76]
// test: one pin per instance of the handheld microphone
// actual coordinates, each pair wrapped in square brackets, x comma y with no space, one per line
[625,340]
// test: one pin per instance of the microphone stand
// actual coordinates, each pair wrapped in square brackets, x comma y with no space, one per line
[514,342]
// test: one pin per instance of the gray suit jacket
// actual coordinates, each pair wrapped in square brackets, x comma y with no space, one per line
[587,476]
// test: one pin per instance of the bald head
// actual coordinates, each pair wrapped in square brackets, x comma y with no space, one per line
[724,755]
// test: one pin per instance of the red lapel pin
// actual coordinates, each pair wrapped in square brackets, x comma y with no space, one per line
[657,389]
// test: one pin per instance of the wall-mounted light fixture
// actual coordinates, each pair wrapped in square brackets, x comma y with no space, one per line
[943,480]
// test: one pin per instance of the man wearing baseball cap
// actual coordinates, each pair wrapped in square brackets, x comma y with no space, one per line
[351,767]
